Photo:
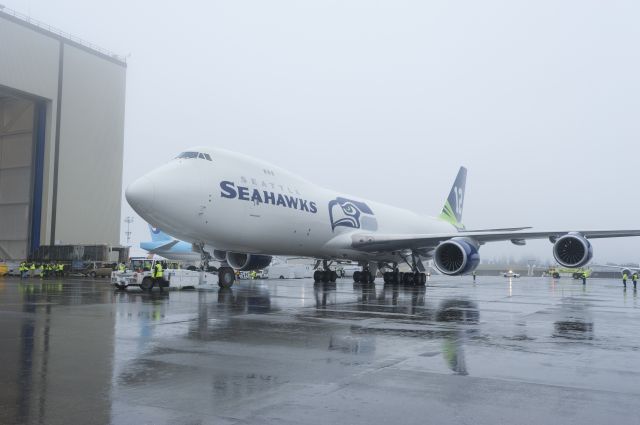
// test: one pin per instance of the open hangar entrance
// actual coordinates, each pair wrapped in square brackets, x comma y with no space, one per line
[22,137]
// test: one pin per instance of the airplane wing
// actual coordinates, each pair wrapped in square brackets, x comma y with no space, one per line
[373,242]
[164,247]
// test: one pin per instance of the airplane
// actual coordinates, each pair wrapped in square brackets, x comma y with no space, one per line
[172,249]
[250,210]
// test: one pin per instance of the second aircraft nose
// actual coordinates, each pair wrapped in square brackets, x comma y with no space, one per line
[141,195]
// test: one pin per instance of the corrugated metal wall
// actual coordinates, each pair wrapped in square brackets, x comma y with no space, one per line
[16,157]
[79,97]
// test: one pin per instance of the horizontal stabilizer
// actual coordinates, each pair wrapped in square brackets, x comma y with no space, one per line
[164,247]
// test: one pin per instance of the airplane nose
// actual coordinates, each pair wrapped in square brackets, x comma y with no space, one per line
[141,195]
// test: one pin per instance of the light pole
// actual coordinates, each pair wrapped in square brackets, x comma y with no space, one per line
[128,220]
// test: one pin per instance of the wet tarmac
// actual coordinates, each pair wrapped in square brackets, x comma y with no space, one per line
[522,351]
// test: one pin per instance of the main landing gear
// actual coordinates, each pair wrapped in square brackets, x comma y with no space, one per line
[365,276]
[325,275]
[416,276]
[411,278]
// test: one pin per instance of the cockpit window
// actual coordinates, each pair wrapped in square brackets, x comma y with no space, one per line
[192,155]
[188,155]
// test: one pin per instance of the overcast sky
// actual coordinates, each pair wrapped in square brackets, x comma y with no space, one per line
[386,99]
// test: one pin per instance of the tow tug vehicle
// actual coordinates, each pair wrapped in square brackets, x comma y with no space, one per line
[139,274]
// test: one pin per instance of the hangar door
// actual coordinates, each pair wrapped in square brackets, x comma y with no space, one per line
[16,178]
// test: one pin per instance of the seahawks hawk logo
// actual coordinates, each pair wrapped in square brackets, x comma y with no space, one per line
[347,213]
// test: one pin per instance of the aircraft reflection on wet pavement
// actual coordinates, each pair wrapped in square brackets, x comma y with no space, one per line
[111,353]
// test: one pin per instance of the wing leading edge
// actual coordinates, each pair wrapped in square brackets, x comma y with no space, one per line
[372,242]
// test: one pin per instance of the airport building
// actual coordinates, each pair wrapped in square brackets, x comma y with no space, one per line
[62,104]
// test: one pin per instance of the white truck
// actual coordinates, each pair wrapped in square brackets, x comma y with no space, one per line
[171,278]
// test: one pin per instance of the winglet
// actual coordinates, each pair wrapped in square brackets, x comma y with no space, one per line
[452,210]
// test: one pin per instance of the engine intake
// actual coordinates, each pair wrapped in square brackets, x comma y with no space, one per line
[572,250]
[247,262]
[219,255]
[457,256]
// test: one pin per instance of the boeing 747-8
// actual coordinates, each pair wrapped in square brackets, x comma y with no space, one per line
[250,210]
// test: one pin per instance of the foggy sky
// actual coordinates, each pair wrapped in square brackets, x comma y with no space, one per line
[386,99]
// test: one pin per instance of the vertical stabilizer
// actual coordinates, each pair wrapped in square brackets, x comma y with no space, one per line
[452,210]
[158,235]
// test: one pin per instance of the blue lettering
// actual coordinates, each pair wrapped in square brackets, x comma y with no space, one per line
[269,197]
[291,201]
[243,193]
[255,198]
[228,190]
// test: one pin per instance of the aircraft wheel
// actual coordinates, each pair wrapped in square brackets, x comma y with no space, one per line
[333,277]
[356,276]
[326,276]
[317,276]
[407,278]
[226,277]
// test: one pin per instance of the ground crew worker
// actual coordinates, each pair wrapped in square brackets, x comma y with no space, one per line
[122,267]
[61,269]
[157,273]
[634,278]
[474,276]
[23,270]
[254,275]
[624,279]
[584,278]
[33,269]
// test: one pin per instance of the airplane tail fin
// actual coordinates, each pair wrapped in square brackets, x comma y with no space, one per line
[452,210]
[158,235]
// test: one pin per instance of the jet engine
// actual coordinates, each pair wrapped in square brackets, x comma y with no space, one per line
[219,255]
[457,256]
[572,250]
[246,262]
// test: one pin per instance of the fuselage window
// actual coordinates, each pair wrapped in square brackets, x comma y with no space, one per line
[206,155]
[201,155]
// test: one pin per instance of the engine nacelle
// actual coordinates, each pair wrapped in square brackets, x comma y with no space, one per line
[572,250]
[456,256]
[247,262]
[220,255]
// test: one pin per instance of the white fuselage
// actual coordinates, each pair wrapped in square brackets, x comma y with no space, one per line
[241,204]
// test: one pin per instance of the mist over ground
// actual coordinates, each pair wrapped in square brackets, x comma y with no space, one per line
[385,100]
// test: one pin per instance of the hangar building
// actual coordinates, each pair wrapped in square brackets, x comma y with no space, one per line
[61,138]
